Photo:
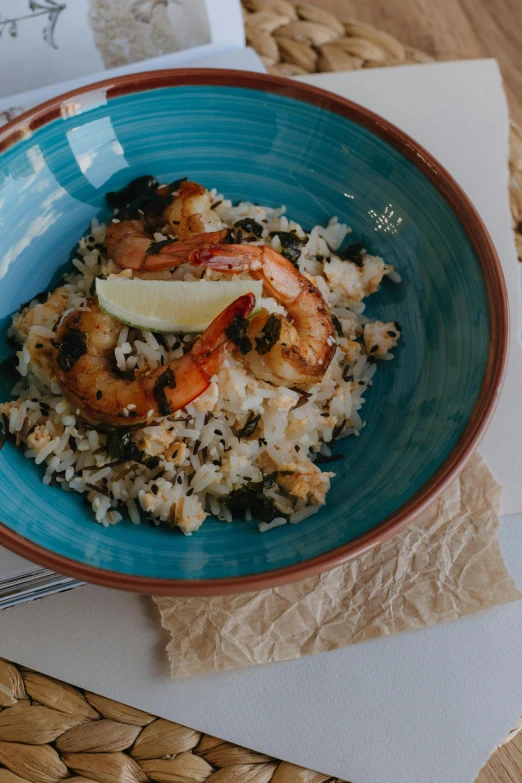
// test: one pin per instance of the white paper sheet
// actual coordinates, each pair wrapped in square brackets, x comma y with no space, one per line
[12,565]
[422,707]
[42,40]
[244,59]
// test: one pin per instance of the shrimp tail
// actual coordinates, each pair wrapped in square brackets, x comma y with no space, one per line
[186,378]
[163,256]
[225,258]
[280,278]
[130,248]
[220,334]
[303,344]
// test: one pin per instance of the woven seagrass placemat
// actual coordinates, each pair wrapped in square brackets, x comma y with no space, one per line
[50,731]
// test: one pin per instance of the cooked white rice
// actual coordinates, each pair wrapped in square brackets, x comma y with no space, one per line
[200,458]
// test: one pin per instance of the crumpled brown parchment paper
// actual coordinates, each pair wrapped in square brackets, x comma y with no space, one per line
[445,565]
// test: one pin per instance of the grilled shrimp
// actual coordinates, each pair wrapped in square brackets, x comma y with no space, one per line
[297,352]
[284,352]
[130,243]
[85,367]
[191,211]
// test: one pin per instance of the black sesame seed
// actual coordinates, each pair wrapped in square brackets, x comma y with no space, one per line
[39,345]
[190,492]
[325,415]
[216,462]
[297,448]
[99,394]
[179,480]
[397,325]
[175,453]
[223,441]
[218,432]
[154,488]
[391,334]
[132,414]
[373,348]
[176,345]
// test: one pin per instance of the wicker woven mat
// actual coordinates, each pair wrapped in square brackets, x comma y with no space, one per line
[50,731]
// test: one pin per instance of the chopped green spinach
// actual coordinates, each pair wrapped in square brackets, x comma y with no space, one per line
[269,335]
[250,426]
[252,496]
[291,245]
[139,187]
[238,333]
[119,445]
[164,381]
[354,253]
[250,225]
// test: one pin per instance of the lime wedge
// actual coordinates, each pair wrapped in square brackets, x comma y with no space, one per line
[171,305]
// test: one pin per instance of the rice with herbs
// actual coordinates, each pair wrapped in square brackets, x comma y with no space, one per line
[245,447]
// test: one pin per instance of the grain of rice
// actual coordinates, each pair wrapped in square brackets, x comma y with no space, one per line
[303,514]
[277,522]
[46,450]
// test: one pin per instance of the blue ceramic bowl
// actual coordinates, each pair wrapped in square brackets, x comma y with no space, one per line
[273,141]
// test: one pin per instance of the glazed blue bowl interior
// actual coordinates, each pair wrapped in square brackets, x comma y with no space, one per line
[272,149]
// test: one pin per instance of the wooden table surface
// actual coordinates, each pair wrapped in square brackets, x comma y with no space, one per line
[451,30]
[457,30]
